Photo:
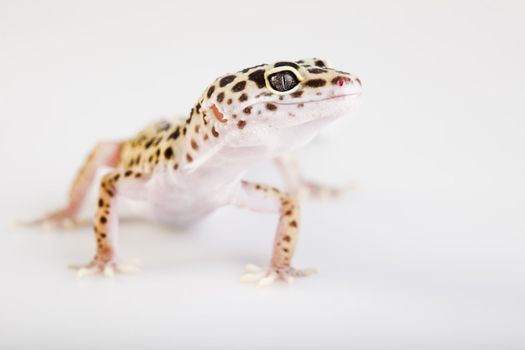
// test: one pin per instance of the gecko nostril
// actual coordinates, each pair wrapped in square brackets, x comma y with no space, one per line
[340,82]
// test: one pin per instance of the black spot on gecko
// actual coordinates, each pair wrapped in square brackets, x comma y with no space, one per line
[243,98]
[286,64]
[220,97]
[226,80]
[174,135]
[271,107]
[168,153]
[315,83]
[239,86]
[210,91]
[247,110]
[320,63]
[258,77]
[149,143]
[316,70]
[245,70]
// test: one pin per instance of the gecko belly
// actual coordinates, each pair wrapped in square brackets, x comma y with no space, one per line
[176,199]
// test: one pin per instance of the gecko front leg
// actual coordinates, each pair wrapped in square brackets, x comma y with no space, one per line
[106,224]
[268,199]
[297,184]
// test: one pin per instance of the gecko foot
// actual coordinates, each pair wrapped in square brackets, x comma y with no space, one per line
[265,277]
[63,219]
[108,269]
[316,190]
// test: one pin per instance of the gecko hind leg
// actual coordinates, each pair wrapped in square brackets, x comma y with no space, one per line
[104,154]
[262,198]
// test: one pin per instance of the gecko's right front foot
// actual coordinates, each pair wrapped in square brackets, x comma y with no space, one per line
[106,267]
[315,190]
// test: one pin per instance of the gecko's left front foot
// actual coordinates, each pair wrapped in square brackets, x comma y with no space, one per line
[265,277]
[108,268]
[64,218]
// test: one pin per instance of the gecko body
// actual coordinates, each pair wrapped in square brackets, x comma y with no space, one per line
[181,170]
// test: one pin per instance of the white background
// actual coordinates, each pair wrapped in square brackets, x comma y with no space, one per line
[426,253]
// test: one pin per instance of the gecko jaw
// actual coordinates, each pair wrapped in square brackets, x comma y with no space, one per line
[320,100]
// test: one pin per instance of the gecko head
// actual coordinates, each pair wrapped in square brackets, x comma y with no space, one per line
[286,101]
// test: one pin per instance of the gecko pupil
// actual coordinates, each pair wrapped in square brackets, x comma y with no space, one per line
[283,81]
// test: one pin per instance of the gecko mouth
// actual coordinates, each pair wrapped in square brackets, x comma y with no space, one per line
[321,99]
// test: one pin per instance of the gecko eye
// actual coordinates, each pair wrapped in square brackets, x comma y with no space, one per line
[283,81]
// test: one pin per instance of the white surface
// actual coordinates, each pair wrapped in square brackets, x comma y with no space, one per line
[426,253]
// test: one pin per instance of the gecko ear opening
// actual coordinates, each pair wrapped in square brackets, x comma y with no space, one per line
[218,114]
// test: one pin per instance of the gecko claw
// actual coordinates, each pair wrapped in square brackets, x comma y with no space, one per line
[266,277]
[266,281]
[250,268]
[109,272]
[108,269]
[127,268]
[86,271]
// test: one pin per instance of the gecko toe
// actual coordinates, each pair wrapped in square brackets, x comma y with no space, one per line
[266,277]
[267,281]
[87,271]
[252,277]
[250,268]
